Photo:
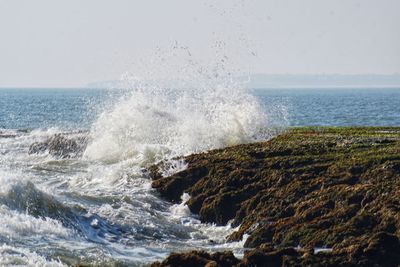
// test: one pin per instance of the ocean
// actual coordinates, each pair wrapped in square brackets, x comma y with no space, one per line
[97,206]
[78,108]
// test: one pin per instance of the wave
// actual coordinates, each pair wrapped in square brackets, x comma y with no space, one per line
[84,195]
[13,256]
[26,210]
[156,123]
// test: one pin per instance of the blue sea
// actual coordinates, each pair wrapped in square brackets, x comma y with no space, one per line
[71,108]
[96,206]
[337,107]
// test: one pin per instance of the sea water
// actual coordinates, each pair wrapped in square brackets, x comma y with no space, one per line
[336,106]
[99,208]
[78,108]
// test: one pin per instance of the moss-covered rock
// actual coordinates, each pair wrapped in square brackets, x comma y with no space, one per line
[309,187]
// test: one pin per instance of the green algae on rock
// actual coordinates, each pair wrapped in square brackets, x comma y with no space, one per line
[332,187]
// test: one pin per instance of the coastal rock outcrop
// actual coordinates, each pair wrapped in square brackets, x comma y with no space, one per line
[381,249]
[60,146]
[336,188]
[199,258]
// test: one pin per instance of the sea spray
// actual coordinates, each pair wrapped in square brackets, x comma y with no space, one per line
[153,122]
[200,109]
[100,207]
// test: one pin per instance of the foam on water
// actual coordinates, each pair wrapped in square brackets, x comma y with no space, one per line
[16,225]
[181,210]
[101,207]
[20,201]
[155,123]
[20,228]
[216,234]
[13,256]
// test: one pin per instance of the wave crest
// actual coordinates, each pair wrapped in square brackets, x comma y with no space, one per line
[151,124]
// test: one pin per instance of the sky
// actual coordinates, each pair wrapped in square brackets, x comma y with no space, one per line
[71,43]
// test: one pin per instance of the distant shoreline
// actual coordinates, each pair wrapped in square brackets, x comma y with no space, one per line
[247,88]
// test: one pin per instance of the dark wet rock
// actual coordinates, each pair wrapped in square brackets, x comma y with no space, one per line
[310,187]
[7,135]
[199,258]
[379,250]
[60,146]
[173,188]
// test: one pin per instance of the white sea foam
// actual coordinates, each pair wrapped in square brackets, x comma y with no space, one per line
[15,224]
[150,125]
[13,256]
[7,181]
[206,235]
[173,166]
[19,225]
[181,210]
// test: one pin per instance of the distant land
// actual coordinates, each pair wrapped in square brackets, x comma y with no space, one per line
[259,81]
[331,80]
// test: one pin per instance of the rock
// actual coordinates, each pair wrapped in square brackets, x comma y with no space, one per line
[310,187]
[173,188]
[384,249]
[60,146]
[199,258]
[7,135]
[275,258]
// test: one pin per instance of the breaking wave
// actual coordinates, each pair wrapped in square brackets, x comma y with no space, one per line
[81,196]
[152,124]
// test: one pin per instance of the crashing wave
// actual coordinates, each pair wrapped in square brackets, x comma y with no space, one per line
[149,125]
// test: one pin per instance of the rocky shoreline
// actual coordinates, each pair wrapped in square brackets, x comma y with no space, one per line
[332,188]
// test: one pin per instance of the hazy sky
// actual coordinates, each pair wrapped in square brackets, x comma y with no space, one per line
[74,42]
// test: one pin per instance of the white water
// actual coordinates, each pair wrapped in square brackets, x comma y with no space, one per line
[100,208]
[149,125]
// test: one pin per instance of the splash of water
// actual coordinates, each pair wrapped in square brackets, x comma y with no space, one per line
[101,207]
[194,106]
[154,123]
